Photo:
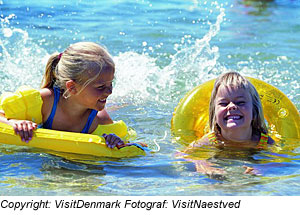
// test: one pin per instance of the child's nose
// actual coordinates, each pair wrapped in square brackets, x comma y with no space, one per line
[108,90]
[231,106]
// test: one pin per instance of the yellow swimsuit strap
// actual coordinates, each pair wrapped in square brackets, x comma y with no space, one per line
[262,142]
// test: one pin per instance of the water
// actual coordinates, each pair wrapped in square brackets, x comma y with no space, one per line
[162,49]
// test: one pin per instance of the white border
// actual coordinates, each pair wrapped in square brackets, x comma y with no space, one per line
[240,205]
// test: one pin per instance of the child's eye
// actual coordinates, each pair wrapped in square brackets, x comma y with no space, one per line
[241,103]
[223,104]
[101,87]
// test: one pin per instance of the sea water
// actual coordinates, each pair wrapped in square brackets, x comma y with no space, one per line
[162,49]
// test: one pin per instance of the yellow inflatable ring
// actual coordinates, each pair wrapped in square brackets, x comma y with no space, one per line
[190,118]
[26,104]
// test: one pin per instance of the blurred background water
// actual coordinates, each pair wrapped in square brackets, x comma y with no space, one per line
[162,49]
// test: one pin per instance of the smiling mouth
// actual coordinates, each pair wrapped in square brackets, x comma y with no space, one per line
[102,100]
[233,117]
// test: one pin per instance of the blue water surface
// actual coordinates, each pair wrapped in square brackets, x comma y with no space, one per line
[162,49]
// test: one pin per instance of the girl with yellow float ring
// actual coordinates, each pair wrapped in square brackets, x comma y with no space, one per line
[235,117]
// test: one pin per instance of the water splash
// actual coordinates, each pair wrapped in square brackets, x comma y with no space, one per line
[194,64]
[139,79]
[22,61]
[134,76]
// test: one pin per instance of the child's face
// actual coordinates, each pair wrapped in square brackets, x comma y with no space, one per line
[233,109]
[94,95]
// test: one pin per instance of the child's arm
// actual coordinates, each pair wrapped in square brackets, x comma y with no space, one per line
[203,166]
[196,144]
[24,128]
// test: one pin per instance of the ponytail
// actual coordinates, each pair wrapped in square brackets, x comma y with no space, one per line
[81,62]
[49,76]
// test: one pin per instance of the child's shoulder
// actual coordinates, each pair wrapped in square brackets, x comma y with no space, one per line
[46,93]
[202,141]
[48,98]
[197,143]
[103,118]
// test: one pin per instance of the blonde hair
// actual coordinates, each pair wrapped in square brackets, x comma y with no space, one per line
[78,62]
[234,79]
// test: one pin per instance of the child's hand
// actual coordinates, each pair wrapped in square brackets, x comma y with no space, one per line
[24,128]
[214,173]
[251,171]
[206,168]
[113,140]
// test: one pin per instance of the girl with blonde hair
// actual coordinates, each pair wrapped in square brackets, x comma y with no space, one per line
[236,120]
[74,90]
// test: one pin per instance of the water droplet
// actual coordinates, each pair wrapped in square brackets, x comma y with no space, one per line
[7,32]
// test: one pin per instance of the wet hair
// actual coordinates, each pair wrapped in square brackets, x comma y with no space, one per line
[79,62]
[237,81]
